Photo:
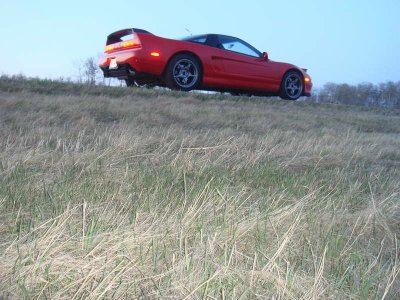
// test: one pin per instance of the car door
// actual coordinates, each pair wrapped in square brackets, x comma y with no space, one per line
[243,65]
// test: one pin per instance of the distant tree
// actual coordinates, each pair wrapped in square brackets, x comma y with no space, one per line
[79,68]
[397,102]
[366,94]
[328,93]
[346,93]
[90,70]
[389,94]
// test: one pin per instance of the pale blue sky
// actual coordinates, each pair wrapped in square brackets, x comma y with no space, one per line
[339,41]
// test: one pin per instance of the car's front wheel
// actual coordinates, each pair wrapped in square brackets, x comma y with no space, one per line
[183,73]
[292,86]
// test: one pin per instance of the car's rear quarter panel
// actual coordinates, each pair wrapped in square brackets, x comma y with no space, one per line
[142,60]
[168,48]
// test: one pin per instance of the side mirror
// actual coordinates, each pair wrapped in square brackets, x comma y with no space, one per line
[265,55]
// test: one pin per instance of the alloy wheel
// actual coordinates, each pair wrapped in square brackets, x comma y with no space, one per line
[293,85]
[185,73]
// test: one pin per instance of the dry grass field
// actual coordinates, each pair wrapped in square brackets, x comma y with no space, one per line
[117,193]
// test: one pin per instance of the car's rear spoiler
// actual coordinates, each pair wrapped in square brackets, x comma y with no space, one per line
[115,37]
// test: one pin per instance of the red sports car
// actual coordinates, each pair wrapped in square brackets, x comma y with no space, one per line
[202,62]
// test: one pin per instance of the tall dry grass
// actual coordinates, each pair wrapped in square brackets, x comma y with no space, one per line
[147,194]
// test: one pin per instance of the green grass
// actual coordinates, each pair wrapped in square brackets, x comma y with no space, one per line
[110,192]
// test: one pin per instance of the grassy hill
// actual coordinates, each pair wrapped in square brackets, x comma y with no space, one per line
[109,192]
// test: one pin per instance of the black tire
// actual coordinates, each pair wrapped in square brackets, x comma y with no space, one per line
[183,73]
[130,82]
[140,83]
[292,86]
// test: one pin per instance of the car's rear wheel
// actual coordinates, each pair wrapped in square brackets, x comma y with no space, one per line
[183,73]
[292,86]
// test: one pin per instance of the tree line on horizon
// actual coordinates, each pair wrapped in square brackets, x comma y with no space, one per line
[366,94]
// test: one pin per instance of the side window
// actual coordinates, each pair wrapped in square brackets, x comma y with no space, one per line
[236,45]
[200,40]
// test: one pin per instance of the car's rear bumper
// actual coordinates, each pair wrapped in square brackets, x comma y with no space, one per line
[131,63]
[123,71]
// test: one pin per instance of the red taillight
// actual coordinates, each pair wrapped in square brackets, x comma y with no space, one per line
[128,44]
[133,43]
